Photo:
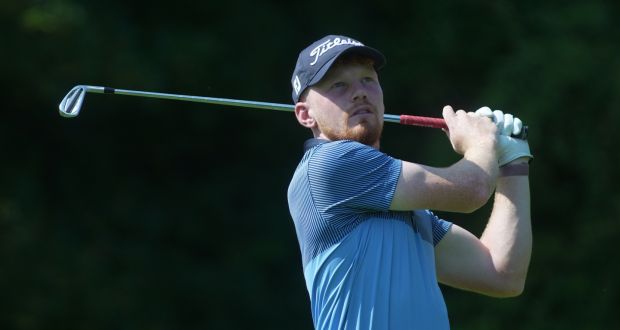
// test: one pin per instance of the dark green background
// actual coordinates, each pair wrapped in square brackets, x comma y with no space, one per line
[151,214]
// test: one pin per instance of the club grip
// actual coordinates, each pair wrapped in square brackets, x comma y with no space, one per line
[441,123]
[423,121]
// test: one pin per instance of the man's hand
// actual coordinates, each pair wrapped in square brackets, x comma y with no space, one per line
[508,148]
[506,123]
[469,132]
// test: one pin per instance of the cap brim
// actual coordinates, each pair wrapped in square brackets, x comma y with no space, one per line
[369,52]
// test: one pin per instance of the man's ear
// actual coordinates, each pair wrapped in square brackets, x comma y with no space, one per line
[302,112]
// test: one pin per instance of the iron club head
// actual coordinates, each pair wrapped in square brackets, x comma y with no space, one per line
[72,103]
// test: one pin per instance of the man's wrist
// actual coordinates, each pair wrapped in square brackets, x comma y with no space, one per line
[515,169]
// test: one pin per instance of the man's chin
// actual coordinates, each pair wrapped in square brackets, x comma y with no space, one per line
[365,134]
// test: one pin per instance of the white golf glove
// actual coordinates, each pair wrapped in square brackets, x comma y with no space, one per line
[508,148]
[506,123]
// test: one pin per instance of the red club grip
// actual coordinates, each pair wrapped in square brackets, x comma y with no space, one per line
[441,123]
[423,121]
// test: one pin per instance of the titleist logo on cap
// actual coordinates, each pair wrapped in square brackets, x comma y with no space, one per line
[315,60]
[329,44]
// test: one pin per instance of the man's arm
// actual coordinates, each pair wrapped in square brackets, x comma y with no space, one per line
[497,263]
[463,187]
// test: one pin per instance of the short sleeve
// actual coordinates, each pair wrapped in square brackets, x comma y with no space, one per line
[350,177]
[440,227]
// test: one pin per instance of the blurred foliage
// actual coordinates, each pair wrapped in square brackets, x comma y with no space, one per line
[145,214]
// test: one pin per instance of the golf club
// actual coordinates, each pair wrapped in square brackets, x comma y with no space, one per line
[72,103]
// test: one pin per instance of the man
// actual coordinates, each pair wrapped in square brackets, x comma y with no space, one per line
[372,253]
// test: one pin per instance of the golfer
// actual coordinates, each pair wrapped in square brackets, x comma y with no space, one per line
[372,252]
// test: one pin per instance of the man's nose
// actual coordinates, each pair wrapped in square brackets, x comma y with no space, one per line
[359,92]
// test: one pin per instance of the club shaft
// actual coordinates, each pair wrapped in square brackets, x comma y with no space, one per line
[191,98]
[412,120]
[400,119]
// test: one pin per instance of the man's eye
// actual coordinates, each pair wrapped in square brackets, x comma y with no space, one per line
[368,79]
[338,84]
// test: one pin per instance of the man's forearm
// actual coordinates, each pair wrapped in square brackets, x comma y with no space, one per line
[508,235]
[465,186]
[486,161]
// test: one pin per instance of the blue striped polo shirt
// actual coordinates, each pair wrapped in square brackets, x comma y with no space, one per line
[366,267]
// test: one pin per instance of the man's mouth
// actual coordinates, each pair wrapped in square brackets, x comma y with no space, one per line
[362,110]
